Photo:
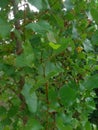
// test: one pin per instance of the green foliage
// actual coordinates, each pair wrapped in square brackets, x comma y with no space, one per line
[41,4]
[33,124]
[48,65]
[27,57]
[31,99]
[41,27]
[67,95]
[4,28]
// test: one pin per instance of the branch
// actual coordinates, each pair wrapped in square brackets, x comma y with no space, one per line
[17,27]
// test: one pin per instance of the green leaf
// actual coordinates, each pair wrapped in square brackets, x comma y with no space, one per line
[87,45]
[6,128]
[75,34]
[1,126]
[61,125]
[4,3]
[67,95]
[65,43]
[51,69]
[88,126]
[94,13]
[91,82]
[20,61]
[40,4]
[52,95]
[41,27]
[95,38]
[13,110]
[4,28]
[2,111]
[25,60]
[51,37]
[59,20]
[54,105]
[6,122]
[33,124]
[31,99]
[54,46]
[68,4]
[36,3]
[27,57]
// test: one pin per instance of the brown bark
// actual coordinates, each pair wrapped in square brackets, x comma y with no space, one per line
[17,27]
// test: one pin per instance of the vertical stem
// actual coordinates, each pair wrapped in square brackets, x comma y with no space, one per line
[18,52]
[17,27]
[54,122]
[47,102]
[47,99]
[24,21]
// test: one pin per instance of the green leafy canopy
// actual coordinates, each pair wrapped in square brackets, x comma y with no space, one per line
[48,64]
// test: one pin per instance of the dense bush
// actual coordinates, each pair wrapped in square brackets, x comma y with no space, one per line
[48,65]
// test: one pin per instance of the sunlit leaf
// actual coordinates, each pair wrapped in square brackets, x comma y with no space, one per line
[68,5]
[87,45]
[54,46]
[40,4]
